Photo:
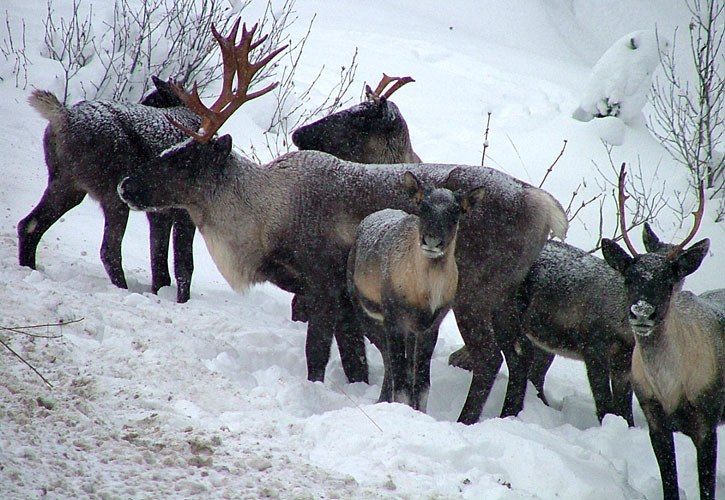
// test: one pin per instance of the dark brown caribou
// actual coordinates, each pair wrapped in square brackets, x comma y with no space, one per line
[89,148]
[373,131]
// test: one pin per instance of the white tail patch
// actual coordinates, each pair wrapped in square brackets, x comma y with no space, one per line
[45,103]
[552,210]
[30,227]
[374,315]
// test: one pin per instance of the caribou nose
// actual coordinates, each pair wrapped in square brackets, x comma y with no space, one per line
[432,246]
[642,310]
[432,242]
[641,318]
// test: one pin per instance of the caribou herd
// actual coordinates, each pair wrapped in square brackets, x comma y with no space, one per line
[375,243]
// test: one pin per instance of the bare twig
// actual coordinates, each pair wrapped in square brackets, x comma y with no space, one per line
[357,406]
[647,193]
[26,363]
[19,330]
[556,160]
[485,138]
[17,52]
[582,205]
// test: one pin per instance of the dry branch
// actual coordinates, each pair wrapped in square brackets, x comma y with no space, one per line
[20,330]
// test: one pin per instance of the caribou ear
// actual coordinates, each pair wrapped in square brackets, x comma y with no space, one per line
[471,199]
[369,94]
[649,238]
[222,147]
[688,261]
[413,187]
[615,256]
[158,82]
[390,111]
[450,182]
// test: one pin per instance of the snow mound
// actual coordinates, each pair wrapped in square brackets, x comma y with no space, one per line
[621,79]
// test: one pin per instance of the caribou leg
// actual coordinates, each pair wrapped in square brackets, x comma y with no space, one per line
[116,218]
[58,198]
[184,231]
[486,360]
[159,231]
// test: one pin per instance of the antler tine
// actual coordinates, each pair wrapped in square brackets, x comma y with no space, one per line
[235,60]
[260,40]
[247,69]
[229,61]
[384,82]
[696,224]
[401,80]
[193,102]
[622,197]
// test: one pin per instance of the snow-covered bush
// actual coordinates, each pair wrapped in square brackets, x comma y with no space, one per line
[620,81]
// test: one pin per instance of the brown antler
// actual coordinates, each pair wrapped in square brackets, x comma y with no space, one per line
[235,59]
[622,197]
[386,80]
[696,224]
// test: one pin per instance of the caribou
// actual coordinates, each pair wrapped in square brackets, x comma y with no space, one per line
[373,131]
[551,310]
[89,148]
[678,363]
[402,274]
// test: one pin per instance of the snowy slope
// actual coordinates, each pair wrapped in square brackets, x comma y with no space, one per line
[154,399]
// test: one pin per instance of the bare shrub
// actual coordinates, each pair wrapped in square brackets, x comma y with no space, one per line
[166,38]
[689,105]
[69,41]
[13,48]
[169,39]
[293,107]
[646,195]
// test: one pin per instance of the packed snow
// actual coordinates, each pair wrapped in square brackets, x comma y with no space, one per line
[154,399]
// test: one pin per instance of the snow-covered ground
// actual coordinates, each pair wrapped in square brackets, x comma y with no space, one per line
[154,399]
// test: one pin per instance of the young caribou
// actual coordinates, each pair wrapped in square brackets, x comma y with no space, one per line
[402,274]
[678,364]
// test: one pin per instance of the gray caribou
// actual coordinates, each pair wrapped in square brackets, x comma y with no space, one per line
[678,364]
[551,310]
